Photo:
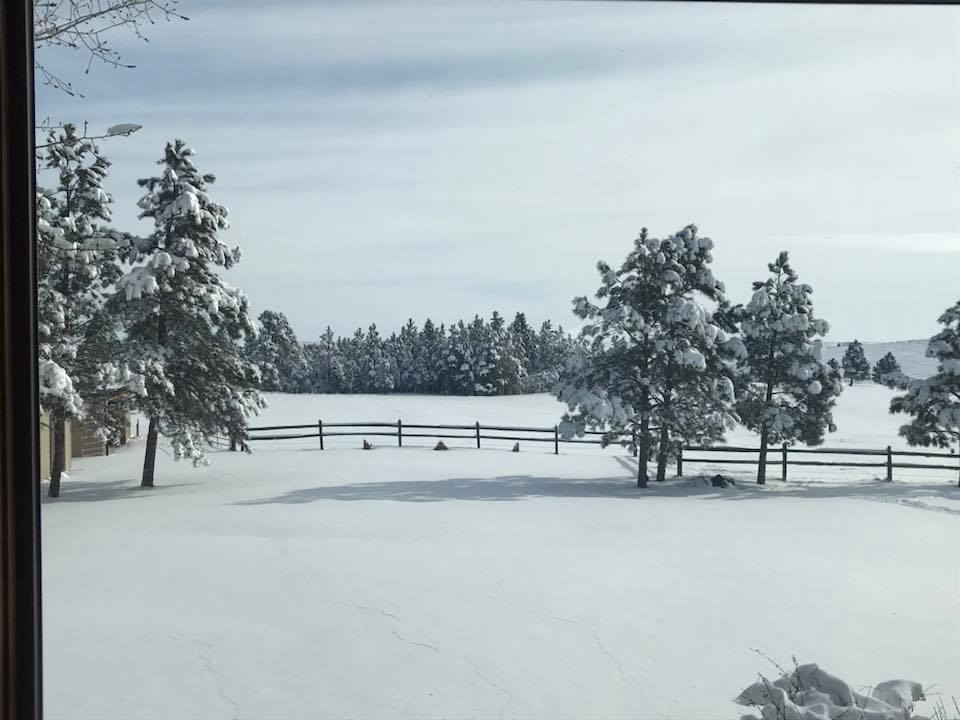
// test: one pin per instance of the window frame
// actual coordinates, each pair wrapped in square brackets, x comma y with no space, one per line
[21,695]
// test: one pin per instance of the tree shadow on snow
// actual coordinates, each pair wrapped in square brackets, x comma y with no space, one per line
[80,491]
[508,488]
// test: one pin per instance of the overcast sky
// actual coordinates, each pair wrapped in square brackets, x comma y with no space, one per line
[395,160]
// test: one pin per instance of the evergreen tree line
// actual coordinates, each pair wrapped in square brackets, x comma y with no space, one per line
[476,358]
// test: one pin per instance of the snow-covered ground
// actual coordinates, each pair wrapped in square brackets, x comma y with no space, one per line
[407,583]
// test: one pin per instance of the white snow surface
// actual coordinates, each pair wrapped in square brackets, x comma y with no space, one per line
[407,583]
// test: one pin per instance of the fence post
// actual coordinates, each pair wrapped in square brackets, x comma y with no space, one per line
[889,464]
[399,433]
[556,439]
[680,461]
[784,462]
[320,428]
[478,434]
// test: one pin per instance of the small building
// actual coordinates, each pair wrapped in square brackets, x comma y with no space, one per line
[82,438]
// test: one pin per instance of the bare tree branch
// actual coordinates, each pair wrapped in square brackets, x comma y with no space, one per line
[85,25]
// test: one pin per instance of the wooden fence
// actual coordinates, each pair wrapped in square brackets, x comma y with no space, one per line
[865,458]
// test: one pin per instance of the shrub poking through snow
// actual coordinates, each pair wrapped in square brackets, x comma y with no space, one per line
[809,693]
[440,446]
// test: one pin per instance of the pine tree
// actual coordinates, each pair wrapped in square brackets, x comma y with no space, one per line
[324,366]
[351,354]
[276,352]
[656,356]
[377,371]
[885,365]
[186,323]
[524,341]
[855,365]
[405,349]
[76,267]
[506,373]
[789,393]
[934,402]
[429,361]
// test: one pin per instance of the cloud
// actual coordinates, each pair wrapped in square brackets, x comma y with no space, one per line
[384,160]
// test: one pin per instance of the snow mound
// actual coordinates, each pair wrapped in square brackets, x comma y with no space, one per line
[810,693]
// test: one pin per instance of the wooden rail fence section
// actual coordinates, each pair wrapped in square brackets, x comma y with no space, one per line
[865,458]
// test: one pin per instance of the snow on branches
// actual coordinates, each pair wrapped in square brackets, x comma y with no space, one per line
[657,357]
[186,324]
[934,402]
[809,693]
[788,393]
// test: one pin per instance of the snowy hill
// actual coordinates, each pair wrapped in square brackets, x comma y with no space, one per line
[911,354]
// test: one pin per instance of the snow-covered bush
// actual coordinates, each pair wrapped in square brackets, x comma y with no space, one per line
[809,693]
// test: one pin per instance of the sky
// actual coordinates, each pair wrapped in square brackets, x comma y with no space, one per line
[390,160]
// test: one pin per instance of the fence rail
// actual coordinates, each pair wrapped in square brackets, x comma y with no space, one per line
[477,432]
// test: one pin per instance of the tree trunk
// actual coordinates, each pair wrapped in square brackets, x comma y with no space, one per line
[150,456]
[59,432]
[662,455]
[764,438]
[643,476]
[762,460]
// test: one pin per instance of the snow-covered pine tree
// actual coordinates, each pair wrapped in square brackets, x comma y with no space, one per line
[377,368]
[187,324]
[405,349]
[884,366]
[276,352]
[351,353]
[788,392]
[506,374]
[524,341]
[76,268]
[324,366]
[855,364]
[481,356]
[656,356]
[429,360]
[934,402]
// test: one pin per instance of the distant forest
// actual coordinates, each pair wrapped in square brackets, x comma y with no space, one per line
[479,357]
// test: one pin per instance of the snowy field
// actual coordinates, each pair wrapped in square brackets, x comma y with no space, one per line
[406,583]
